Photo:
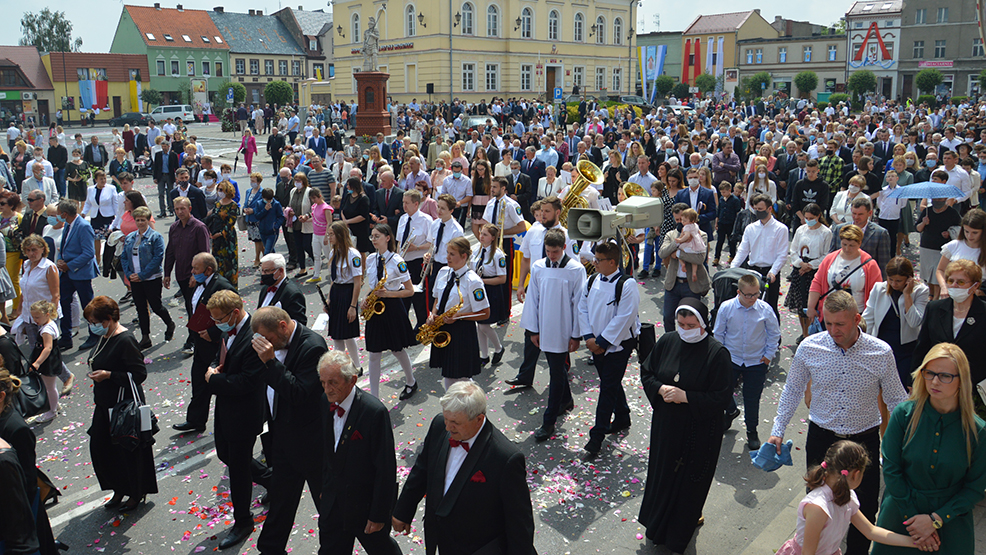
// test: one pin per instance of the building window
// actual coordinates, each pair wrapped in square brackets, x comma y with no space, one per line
[240,66]
[977,48]
[807,51]
[525,77]
[206,69]
[939,48]
[833,51]
[468,77]
[190,68]
[942,15]
[553,25]
[492,21]
[920,16]
[782,54]
[354,31]
[618,31]
[617,79]
[268,67]
[254,67]
[409,24]
[600,30]
[169,38]
[160,67]
[468,22]
[174,68]
[759,55]
[578,31]
[890,48]
[749,56]
[296,68]
[578,77]
[319,71]
[219,69]
[282,67]
[600,78]
[527,24]
[492,73]
[919,49]
[186,38]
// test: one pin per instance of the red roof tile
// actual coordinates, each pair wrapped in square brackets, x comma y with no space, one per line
[717,23]
[174,23]
[29,61]
[117,66]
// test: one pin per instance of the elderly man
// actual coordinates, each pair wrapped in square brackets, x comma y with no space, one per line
[39,158]
[38,182]
[77,264]
[280,292]
[725,165]
[849,370]
[413,176]
[494,513]
[187,237]
[460,187]
[95,154]
[387,207]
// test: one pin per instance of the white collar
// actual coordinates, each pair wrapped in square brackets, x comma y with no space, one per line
[347,403]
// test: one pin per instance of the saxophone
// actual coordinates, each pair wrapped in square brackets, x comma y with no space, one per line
[430,333]
[372,304]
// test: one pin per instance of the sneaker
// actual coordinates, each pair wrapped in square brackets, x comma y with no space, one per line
[315,279]
[643,274]
[188,350]
[301,274]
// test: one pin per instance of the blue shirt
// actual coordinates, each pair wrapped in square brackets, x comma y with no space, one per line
[293,124]
[748,333]
[548,156]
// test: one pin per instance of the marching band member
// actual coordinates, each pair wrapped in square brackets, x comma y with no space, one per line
[551,317]
[390,330]
[346,270]
[459,360]
[502,207]
[412,240]
[490,264]
[442,231]
[610,325]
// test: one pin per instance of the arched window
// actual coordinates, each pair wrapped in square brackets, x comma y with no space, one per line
[468,19]
[354,32]
[578,30]
[553,25]
[617,31]
[492,21]
[527,24]
[409,25]
[600,30]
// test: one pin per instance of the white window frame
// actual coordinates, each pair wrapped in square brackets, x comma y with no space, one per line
[918,45]
[409,23]
[943,46]
[600,30]
[526,77]
[468,24]
[977,47]
[806,53]
[833,52]
[162,67]
[313,44]
[254,66]
[617,79]
[296,68]
[356,70]
[578,27]
[782,55]
[268,67]
[942,15]
[618,31]
[578,76]
[921,16]
[749,56]
[468,70]
[240,65]
[527,23]
[600,78]
[493,20]
[207,69]
[492,71]
[759,55]
[354,29]
[554,24]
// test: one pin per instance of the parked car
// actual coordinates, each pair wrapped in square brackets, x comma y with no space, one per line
[471,123]
[679,110]
[177,111]
[132,119]
[635,101]
[576,98]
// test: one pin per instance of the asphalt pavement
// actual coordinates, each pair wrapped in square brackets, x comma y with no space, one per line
[579,507]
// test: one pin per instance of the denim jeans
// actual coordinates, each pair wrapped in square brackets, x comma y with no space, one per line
[753,380]
[650,253]
[269,241]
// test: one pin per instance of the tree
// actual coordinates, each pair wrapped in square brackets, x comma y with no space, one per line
[665,83]
[705,83]
[278,92]
[680,91]
[759,82]
[239,94]
[928,80]
[840,26]
[185,92]
[49,31]
[860,83]
[150,96]
[806,81]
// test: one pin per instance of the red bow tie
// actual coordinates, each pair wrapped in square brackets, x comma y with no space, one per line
[337,409]
[453,443]
[272,289]
[231,332]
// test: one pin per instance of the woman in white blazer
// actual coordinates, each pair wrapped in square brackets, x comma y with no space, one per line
[895,310]
[100,207]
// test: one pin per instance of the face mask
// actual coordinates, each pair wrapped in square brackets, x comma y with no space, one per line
[208,182]
[366,156]
[97,329]
[908,162]
[299,184]
[226,176]
[38,157]
[761,175]
[183,184]
[52,220]
[76,158]
[199,278]
[693,335]
[254,184]
[931,163]
[703,151]
[515,172]
[938,204]
[810,222]
[267,279]
[224,327]
[762,214]
[802,164]
[853,189]
[220,195]
[959,295]
[693,182]
[830,152]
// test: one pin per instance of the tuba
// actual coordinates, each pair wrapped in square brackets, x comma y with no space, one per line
[431,334]
[372,304]
[588,174]
[630,189]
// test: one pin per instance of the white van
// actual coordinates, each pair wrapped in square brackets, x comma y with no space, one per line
[183,111]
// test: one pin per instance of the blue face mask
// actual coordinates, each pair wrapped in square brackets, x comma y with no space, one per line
[457,175]
[52,220]
[200,278]
[224,327]
[97,329]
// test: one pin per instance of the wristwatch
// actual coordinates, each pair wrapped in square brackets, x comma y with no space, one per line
[936,521]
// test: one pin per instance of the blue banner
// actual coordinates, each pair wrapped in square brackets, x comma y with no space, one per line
[660,53]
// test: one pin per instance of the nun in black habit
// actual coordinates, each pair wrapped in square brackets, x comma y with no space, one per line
[686,377]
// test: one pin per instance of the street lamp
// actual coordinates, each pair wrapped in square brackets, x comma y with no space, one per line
[458,17]
[592,30]
[517,24]
[339,30]
[421,19]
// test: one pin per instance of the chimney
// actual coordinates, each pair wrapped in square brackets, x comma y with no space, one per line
[157,5]
[218,9]
[179,7]
[778,18]
[252,12]
[260,12]
[301,8]
[757,10]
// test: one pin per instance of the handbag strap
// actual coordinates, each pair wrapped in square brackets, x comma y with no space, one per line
[849,275]
[133,389]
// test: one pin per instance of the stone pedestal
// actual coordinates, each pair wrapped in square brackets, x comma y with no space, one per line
[372,116]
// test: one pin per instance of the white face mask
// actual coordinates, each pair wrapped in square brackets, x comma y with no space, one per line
[227,176]
[220,195]
[693,335]
[853,189]
[693,182]
[207,182]
[761,175]
[959,295]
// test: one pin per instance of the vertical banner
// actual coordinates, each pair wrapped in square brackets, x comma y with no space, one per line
[642,62]
[720,68]
[140,101]
[710,49]
[662,52]
[200,95]
[698,60]
[103,94]
[684,64]
[134,96]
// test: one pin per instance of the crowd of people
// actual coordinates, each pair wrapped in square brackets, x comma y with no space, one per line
[418,236]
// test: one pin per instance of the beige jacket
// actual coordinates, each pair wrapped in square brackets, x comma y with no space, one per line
[699,286]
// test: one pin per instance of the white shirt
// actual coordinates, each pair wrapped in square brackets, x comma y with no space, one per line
[810,245]
[764,245]
[339,422]
[198,291]
[552,304]
[889,207]
[346,270]
[456,456]
[395,270]
[533,245]
[280,355]
[270,297]
[645,180]
[511,217]
[451,230]
[602,318]
[417,236]
[237,327]
[470,286]
[960,178]
[49,171]
[486,265]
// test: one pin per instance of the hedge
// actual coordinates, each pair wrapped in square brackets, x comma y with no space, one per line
[836,98]
[929,98]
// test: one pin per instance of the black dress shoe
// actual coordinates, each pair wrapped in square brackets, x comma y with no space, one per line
[60,546]
[517,382]
[617,427]
[188,427]
[89,343]
[592,449]
[753,441]
[409,390]
[503,322]
[113,503]
[498,356]
[131,504]
[144,344]
[169,333]
[544,433]
[568,407]
[64,345]
[727,421]
[484,361]
[236,536]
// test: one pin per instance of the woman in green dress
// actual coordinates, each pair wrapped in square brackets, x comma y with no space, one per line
[934,459]
[222,225]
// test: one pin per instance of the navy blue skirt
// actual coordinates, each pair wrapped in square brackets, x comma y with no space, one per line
[460,358]
[340,299]
[390,331]
[498,307]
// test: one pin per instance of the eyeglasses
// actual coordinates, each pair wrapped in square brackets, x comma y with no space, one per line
[749,295]
[602,259]
[29,199]
[943,377]
[218,320]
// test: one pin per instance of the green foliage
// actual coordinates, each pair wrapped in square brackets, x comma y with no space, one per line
[239,94]
[836,98]
[841,27]
[665,83]
[621,108]
[680,91]
[49,31]
[982,80]
[806,81]
[927,80]
[705,83]
[822,105]
[185,91]
[928,99]
[862,82]
[278,92]
[958,99]
[760,82]
[150,96]
[573,112]
[227,120]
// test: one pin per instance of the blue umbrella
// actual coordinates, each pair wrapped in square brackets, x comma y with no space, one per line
[926,189]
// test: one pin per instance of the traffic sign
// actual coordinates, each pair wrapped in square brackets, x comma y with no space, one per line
[557,93]
[693,90]
[229,95]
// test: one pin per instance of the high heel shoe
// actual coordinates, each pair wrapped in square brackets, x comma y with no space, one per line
[114,502]
[59,545]
[132,504]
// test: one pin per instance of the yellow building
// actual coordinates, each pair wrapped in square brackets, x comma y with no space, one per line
[476,49]
[110,74]
[720,31]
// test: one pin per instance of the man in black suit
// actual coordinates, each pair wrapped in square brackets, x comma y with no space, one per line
[35,217]
[165,166]
[95,154]
[279,291]
[583,108]
[531,166]
[207,283]
[359,479]
[883,147]
[289,353]
[492,152]
[184,188]
[388,202]
[486,506]
[520,189]
[275,144]
[140,143]
[240,395]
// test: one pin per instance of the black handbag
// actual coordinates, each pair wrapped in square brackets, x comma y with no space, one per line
[32,398]
[132,424]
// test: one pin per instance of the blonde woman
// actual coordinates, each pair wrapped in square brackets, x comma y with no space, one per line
[442,170]
[457,154]
[761,183]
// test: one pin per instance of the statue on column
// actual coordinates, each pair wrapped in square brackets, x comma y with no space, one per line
[371,46]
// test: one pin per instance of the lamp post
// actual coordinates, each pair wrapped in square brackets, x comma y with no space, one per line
[630,36]
[458,17]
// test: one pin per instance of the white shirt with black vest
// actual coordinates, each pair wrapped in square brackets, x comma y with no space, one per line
[602,318]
